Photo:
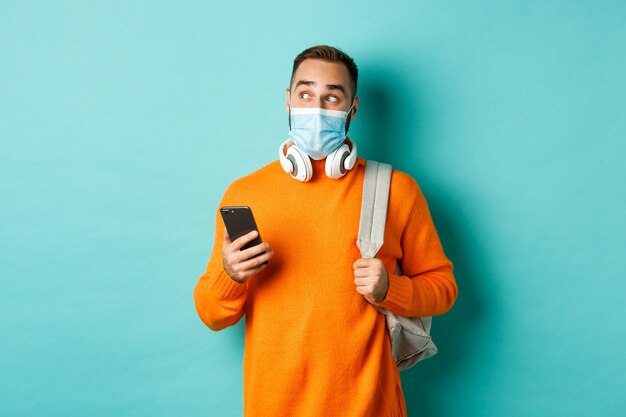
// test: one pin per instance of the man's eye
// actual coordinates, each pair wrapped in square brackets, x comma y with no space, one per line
[302,95]
[332,99]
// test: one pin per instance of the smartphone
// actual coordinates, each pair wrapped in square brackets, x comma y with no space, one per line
[240,221]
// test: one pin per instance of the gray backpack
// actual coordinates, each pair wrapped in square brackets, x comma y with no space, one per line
[409,336]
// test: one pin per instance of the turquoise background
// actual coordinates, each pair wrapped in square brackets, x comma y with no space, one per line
[122,123]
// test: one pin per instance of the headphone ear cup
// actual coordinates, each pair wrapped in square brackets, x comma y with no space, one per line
[302,167]
[350,161]
[335,162]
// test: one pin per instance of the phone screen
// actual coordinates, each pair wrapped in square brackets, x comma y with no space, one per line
[239,221]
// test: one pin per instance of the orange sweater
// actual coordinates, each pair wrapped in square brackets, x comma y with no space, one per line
[314,346]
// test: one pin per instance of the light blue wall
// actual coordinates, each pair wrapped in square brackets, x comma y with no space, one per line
[121,124]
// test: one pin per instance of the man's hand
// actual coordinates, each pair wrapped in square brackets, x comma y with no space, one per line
[240,265]
[371,279]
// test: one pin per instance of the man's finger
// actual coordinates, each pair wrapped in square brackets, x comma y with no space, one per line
[359,282]
[363,289]
[256,261]
[364,262]
[251,272]
[358,263]
[255,250]
[242,240]
[226,237]
[364,271]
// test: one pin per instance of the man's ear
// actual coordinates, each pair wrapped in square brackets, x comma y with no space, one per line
[355,108]
[287,93]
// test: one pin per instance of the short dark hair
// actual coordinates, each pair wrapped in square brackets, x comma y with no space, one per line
[329,54]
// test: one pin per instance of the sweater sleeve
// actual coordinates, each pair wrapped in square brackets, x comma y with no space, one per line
[220,300]
[425,286]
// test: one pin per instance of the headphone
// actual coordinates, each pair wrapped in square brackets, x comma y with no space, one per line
[298,164]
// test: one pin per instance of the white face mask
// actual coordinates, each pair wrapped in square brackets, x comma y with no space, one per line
[316,131]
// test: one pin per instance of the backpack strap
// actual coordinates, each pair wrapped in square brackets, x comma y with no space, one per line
[409,336]
[374,208]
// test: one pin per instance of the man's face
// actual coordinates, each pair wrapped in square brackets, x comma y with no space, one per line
[319,83]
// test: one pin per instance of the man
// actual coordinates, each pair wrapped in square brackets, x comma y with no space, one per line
[315,345]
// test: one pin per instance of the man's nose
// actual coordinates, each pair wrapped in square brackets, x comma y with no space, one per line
[321,103]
